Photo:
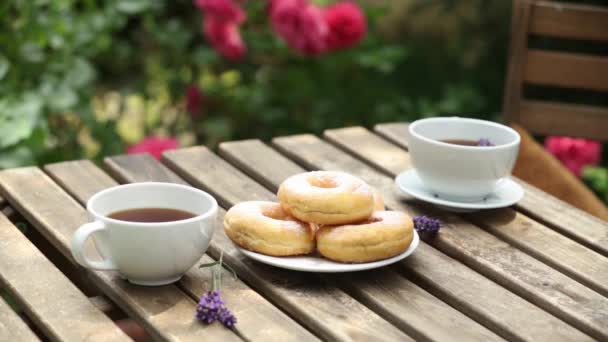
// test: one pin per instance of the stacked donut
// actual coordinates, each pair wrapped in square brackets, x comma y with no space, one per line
[334,213]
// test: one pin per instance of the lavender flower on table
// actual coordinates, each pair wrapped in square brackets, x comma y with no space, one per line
[484,142]
[211,307]
[425,224]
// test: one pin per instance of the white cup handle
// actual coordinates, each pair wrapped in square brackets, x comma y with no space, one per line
[80,238]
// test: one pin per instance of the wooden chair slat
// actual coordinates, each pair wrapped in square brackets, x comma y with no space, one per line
[482,251]
[571,258]
[448,279]
[376,289]
[251,308]
[308,298]
[47,296]
[12,328]
[553,118]
[572,21]
[568,70]
[167,313]
[559,215]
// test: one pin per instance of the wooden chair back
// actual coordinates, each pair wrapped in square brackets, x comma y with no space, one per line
[531,66]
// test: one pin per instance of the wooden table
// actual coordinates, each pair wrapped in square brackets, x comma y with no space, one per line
[536,272]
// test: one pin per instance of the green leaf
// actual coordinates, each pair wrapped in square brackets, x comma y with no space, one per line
[4,66]
[32,52]
[132,6]
[80,74]
[18,119]
[62,98]
[16,157]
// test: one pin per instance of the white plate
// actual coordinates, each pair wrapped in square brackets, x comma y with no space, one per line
[507,193]
[318,264]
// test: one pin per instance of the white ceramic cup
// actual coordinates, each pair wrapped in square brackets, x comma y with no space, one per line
[457,172]
[147,253]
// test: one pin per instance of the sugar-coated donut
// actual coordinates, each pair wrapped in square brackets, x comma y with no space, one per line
[266,228]
[385,234]
[326,197]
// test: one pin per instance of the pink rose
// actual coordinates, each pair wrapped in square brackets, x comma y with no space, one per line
[194,100]
[574,153]
[347,25]
[300,24]
[154,146]
[225,38]
[221,10]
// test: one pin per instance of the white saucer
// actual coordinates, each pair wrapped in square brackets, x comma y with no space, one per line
[318,264]
[507,193]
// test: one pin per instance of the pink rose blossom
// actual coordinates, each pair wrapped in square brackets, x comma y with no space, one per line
[194,100]
[300,24]
[347,25]
[221,10]
[574,153]
[225,38]
[154,146]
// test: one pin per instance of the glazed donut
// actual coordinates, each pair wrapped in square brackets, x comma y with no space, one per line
[326,197]
[385,234]
[266,228]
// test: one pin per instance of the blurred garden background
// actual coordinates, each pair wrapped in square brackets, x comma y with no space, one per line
[91,78]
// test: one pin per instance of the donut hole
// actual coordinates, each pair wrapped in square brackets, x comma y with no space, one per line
[323,182]
[275,212]
[374,219]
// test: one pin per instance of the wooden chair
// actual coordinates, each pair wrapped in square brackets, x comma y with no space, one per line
[566,70]
[530,66]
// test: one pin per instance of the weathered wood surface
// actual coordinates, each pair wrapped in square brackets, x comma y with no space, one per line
[448,279]
[50,300]
[557,118]
[12,328]
[526,276]
[166,312]
[332,313]
[248,308]
[560,216]
[562,253]
[567,20]
[140,168]
[564,69]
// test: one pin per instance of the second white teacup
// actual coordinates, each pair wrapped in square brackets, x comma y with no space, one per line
[458,172]
[147,253]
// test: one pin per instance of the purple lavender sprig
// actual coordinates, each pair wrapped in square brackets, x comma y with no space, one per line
[425,224]
[484,142]
[211,307]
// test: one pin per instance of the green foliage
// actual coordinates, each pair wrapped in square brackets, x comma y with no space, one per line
[60,59]
[597,179]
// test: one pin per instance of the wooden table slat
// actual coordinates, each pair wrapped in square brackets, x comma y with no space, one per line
[12,328]
[448,279]
[166,312]
[562,253]
[244,302]
[521,273]
[332,313]
[559,215]
[48,297]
